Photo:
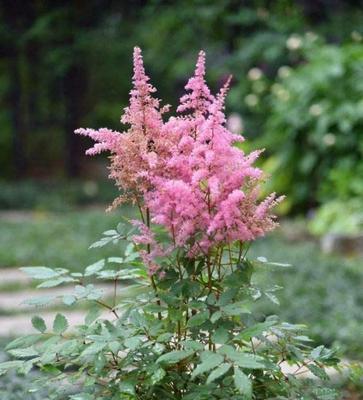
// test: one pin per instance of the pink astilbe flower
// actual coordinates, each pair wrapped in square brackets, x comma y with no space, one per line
[146,237]
[210,195]
[188,172]
[139,152]
[199,98]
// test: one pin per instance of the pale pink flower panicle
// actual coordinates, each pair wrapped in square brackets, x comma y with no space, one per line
[139,152]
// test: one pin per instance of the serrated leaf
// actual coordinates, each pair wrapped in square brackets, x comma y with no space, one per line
[133,343]
[55,282]
[7,365]
[111,232]
[255,330]
[92,315]
[24,353]
[116,260]
[69,299]
[235,309]
[242,359]
[24,341]
[316,352]
[127,388]
[218,372]
[60,324]
[39,324]
[164,337]
[157,376]
[198,319]
[210,360]
[272,298]
[243,383]
[318,372]
[220,336]
[174,356]
[40,272]
[40,301]
[93,268]
[215,316]
[94,348]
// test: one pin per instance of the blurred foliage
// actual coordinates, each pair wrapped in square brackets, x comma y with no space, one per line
[323,291]
[56,195]
[338,217]
[55,239]
[315,123]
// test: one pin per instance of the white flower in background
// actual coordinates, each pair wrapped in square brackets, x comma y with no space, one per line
[280,92]
[316,110]
[258,86]
[254,74]
[356,36]
[235,123]
[251,100]
[90,188]
[311,36]
[329,139]
[294,42]
[284,72]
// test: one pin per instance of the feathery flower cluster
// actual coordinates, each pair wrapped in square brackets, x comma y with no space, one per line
[137,153]
[195,182]
[211,190]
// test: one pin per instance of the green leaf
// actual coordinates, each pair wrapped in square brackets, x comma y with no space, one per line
[247,361]
[24,341]
[242,359]
[40,301]
[272,298]
[7,365]
[174,356]
[133,343]
[215,317]
[220,336]
[24,353]
[40,272]
[55,282]
[255,330]
[157,376]
[164,337]
[60,324]
[127,388]
[198,319]
[69,299]
[243,383]
[234,309]
[92,269]
[218,372]
[316,352]
[92,315]
[94,348]
[210,360]
[39,324]
[318,372]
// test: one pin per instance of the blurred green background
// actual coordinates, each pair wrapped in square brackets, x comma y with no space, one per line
[297,91]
